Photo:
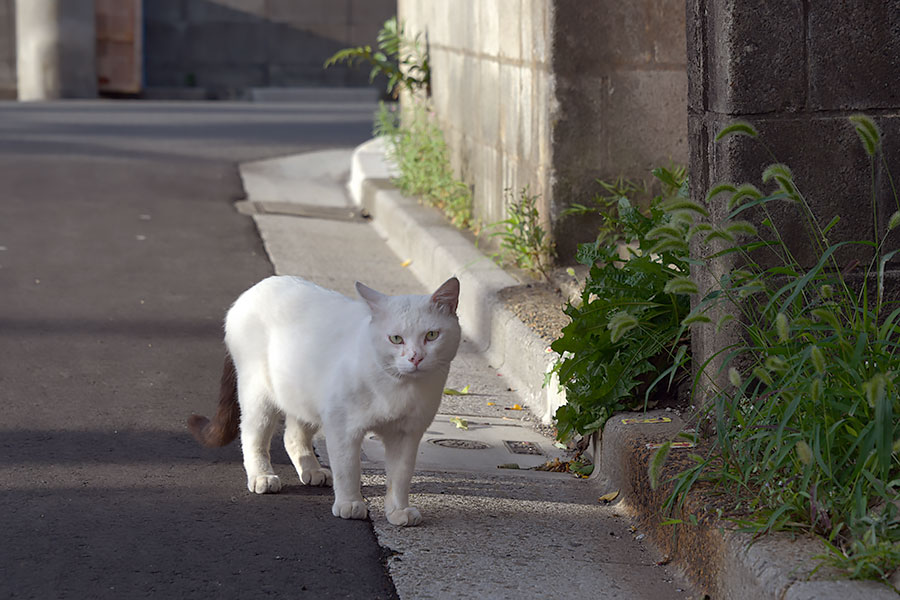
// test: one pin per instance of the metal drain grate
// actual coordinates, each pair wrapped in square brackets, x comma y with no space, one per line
[459,444]
[522,447]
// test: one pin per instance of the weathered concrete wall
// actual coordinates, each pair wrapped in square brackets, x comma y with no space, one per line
[55,49]
[229,45]
[827,61]
[493,91]
[553,94]
[621,85]
[7,49]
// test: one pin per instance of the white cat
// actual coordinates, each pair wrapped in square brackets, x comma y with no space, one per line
[348,366]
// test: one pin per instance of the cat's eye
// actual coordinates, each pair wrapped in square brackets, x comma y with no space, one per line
[431,336]
[395,339]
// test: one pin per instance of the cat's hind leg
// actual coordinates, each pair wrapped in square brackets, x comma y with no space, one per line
[258,421]
[298,441]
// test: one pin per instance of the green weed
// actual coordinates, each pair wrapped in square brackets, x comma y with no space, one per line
[403,61]
[807,430]
[625,337]
[523,239]
[416,145]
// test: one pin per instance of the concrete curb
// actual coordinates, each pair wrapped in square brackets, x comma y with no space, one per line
[724,563]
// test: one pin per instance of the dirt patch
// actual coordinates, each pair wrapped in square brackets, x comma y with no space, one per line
[539,306]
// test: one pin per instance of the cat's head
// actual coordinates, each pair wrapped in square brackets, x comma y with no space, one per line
[413,335]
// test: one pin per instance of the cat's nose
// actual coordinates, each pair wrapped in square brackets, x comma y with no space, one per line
[415,359]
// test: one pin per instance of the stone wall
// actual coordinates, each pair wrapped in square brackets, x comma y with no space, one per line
[553,94]
[817,64]
[230,45]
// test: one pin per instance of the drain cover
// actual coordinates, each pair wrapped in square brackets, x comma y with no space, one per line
[460,444]
[522,447]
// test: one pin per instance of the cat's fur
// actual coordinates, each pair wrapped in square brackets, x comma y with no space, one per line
[347,366]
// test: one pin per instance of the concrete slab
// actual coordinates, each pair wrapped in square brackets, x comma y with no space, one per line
[323,174]
[485,445]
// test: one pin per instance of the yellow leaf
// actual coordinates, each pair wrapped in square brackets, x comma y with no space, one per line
[460,423]
[453,392]
[406,262]
[608,497]
[515,407]
[490,404]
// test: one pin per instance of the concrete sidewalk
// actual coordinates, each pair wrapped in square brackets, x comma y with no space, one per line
[725,564]
[489,532]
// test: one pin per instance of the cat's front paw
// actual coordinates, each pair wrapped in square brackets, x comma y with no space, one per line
[264,484]
[355,509]
[405,517]
[319,476]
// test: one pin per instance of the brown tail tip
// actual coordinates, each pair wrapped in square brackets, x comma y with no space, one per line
[224,427]
[197,424]
[200,428]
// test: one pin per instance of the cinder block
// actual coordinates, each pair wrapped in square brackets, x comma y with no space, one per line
[747,74]
[371,11]
[219,76]
[888,202]
[302,13]
[490,99]
[536,31]
[666,29]
[487,28]
[854,55]
[546,112]
[646,121]
[467,106]
[510,19]
[528,115]
[171,11]
[697,67]
[214,43]
[164,43]
[591,38]
[830,169]
[511,112]
[288,45]
[488,185]
[224,10]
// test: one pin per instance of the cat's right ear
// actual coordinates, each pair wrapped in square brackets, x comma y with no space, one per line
[372,298]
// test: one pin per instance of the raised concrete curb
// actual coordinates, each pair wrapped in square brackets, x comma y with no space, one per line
[724,563]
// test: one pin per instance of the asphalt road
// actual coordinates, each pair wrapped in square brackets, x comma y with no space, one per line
[120,251]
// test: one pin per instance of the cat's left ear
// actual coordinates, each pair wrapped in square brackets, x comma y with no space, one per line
[372,298]
[447,296]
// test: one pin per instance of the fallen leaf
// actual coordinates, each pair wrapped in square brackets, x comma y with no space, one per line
[460,423]
[490,404]
[515,407]
[406,263]
[453,392]
[609,497]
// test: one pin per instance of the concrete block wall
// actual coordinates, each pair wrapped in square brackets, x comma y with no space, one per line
[229,45]
[821,63]
[621,84]
[492,89]
[553,94]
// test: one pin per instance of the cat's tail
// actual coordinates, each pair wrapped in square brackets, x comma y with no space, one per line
[224,427]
